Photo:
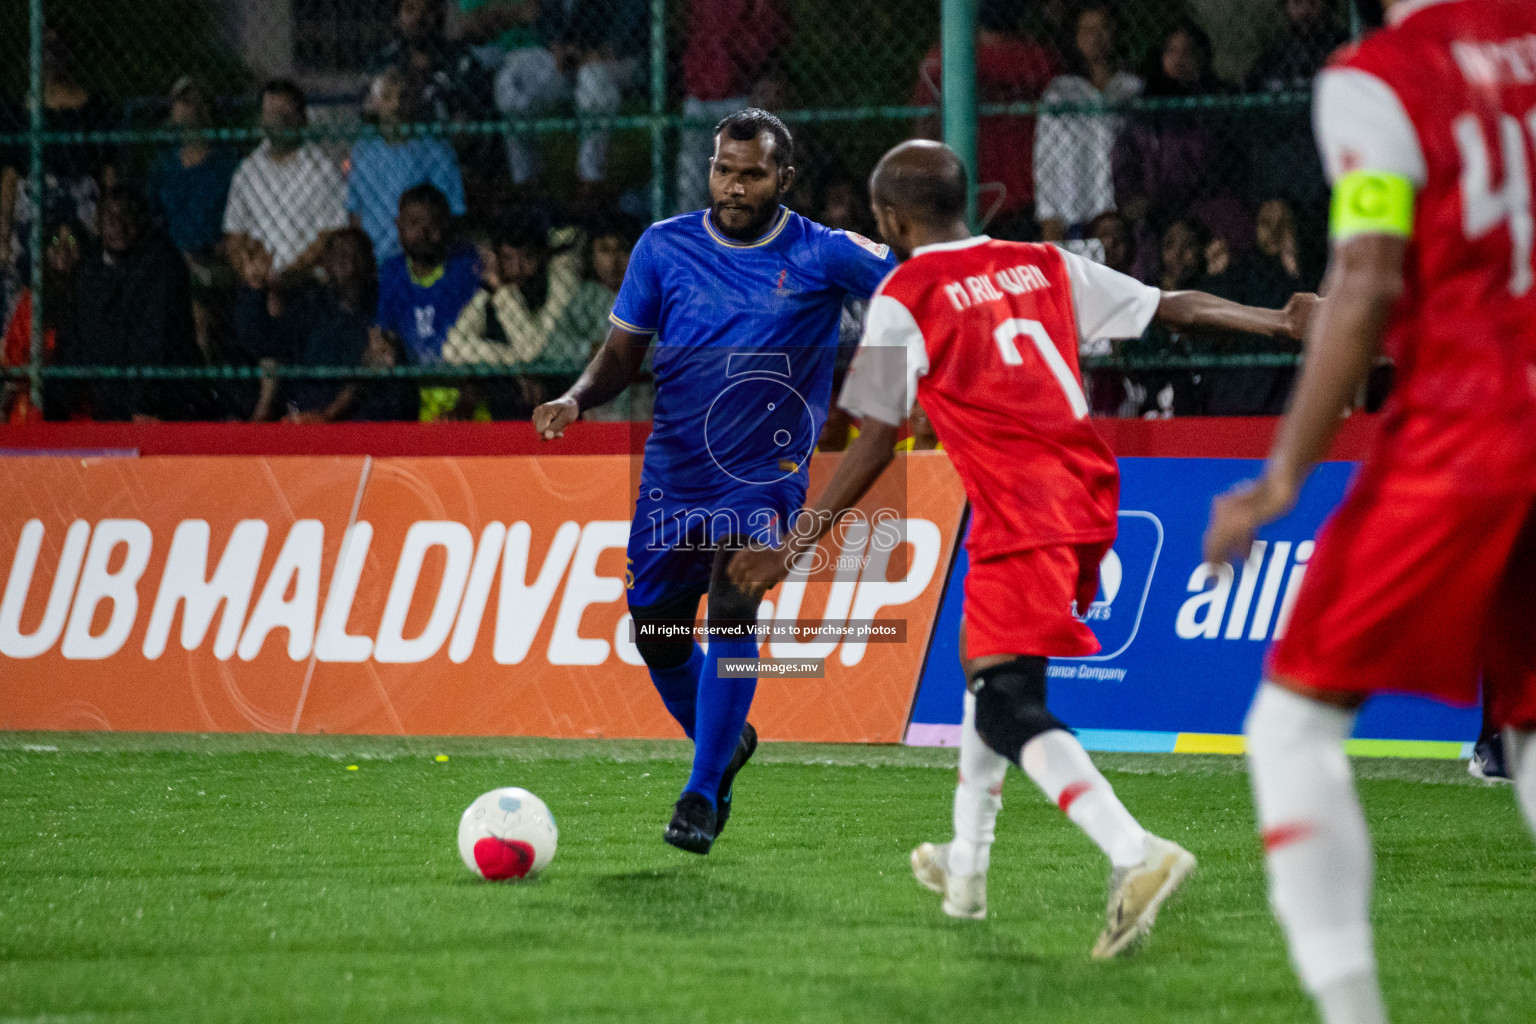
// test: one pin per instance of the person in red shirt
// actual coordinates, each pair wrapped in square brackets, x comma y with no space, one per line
[732,46]
[1009,69]
[61,256]
[1424,579]
[985,334]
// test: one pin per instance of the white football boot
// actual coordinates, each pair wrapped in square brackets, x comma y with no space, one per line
[965,896]
[1136,893]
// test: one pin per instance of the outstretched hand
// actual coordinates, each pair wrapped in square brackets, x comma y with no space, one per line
[1299,312]
[1237,516]
[551,418]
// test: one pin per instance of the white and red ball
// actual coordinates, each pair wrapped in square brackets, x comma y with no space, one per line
[507,834]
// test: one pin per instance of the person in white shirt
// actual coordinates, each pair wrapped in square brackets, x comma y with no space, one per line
[1073,180]
[288,193]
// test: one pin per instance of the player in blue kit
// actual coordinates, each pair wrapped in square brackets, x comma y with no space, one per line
[743,301]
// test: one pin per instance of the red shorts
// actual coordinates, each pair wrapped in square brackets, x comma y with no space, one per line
[1412,591]
[1022,603]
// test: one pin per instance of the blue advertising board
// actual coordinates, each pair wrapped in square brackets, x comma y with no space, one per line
[1183,640]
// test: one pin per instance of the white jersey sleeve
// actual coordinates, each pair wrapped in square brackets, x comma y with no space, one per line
[1361,125]
[892,357]
[1108,304]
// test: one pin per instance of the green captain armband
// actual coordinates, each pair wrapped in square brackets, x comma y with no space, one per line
[1371,203]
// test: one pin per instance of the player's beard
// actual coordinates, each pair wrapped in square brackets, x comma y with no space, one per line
[761,216]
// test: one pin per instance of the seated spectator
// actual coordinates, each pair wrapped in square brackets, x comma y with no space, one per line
[75,175]
[423,290]
[534,307]
[287,193]
[1170,163]
[452,84]
[589,52]
[61,258]
[1073,179]
[1113,234]
[323,325]
[1159,394]
[1268,276]
[132,307]
[189,187]
[1110,242]
[732,44]
[384,167]
[1008,69]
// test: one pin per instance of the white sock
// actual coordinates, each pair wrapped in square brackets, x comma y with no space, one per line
[978,798]
[1355,999]
[1317,849]
[1061,767]
[1520,755]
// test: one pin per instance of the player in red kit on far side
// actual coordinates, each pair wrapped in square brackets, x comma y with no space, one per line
[986,334]
[1424,579]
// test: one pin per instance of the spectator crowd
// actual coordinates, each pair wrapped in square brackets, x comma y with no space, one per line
[448,250]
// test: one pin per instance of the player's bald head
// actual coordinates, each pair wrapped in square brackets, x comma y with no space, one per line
[923,180]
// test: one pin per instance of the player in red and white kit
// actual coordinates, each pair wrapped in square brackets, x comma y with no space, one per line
[1425,577]
[986,335]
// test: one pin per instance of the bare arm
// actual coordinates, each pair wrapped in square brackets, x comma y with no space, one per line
[1366,279]
[608,374]
[863,462]
[1199,312]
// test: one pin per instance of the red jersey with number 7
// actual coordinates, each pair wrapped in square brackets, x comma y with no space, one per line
[1446,98]
[985,335]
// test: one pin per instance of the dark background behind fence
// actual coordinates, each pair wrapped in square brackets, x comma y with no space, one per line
[210,246]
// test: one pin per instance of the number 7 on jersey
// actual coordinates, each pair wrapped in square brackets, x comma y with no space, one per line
[1005,336]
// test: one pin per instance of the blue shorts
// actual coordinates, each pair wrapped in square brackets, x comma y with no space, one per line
[672,543]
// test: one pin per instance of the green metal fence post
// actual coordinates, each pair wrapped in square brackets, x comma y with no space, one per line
[658,109]
[35,174]
[959,86]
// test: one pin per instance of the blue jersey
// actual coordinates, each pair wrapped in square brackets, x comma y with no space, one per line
[746,346]
[421,312]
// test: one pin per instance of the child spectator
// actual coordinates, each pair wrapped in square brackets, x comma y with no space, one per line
[1073,152]
[424,288]
[321,325]
[383,168]
[288,192]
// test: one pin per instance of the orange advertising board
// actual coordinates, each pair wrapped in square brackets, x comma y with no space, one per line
[416,596]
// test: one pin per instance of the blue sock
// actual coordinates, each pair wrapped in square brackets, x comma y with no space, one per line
[679,688]
[722,712]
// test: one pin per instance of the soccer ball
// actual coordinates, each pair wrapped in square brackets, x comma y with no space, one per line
[506,834]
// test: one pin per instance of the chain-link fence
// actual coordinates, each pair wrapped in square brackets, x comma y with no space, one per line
[420,208]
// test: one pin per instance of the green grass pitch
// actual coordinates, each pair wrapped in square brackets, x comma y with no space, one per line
[257,879]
